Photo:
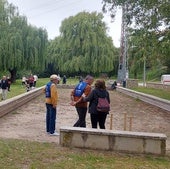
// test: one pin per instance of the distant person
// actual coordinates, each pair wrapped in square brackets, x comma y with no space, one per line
[97,117]
[59,78]
[114,85]
[83,88]
[51,100]
[124,82]
[64,79]
[35,80]
[4,87]
[24,81]
[31,81]
[9,83]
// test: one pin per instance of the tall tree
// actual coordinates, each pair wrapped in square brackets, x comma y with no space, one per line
[83,45]
[152,19]
[22,46]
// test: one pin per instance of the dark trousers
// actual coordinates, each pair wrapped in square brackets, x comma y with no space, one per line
[50,118]
[81,122]
[34,83]
[99,118]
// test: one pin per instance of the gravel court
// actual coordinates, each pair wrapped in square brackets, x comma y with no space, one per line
[28,121]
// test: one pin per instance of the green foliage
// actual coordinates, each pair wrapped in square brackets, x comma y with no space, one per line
[83,46]
[22,46]
[144,14]
[26,154]
[146,46]
[149,32]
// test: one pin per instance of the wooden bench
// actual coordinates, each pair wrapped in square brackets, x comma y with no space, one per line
[113,140]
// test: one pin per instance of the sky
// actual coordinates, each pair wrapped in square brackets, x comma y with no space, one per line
[49,14]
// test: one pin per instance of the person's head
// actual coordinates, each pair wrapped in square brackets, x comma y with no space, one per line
[89,79]
[100,84]
[4,77]
[54,78]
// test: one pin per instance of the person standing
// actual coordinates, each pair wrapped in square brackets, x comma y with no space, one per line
[24,81]
[9,83]
[97,117]
[64,79]
[35,80]
[4,87]
[51,101]
[83,88]
[31,81]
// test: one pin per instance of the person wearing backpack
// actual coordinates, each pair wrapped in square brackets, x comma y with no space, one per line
[83,88]
[98,115]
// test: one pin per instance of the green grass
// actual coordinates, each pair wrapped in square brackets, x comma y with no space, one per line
[17,88]
[18,154]
[164,94]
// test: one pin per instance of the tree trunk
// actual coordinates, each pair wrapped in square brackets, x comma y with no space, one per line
[13,73]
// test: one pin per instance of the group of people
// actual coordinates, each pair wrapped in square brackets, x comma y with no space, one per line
[29,82]
[5,83]
[80,96]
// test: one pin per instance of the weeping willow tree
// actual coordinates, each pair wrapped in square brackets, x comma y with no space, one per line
[22,46]
[83,45]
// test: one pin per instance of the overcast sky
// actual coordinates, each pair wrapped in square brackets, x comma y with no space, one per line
[50,13]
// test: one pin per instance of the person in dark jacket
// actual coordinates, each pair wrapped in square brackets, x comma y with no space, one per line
[64,79]
[96,116]
[4,87]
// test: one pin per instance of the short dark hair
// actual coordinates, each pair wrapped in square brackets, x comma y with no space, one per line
[89,77]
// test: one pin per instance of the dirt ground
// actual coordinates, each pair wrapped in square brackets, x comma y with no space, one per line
[28,121]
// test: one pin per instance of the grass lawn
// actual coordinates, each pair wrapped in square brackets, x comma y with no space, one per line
[18,154]
[164,94]
[17,88]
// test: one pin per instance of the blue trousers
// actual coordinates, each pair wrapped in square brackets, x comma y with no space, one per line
[50,118]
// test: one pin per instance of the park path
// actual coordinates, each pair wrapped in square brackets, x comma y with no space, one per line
[28,121]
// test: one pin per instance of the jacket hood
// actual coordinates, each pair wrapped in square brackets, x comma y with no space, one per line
[101,93]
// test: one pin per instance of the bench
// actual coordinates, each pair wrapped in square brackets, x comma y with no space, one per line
[113,140]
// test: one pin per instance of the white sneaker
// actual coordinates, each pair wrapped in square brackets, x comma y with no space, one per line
[54,134]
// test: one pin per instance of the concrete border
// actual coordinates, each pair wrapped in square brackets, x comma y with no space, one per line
[156,101]
[12,104]
[112,140]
